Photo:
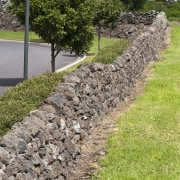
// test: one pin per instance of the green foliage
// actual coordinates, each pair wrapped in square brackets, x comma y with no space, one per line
[109,54]
[134,5]
[106,13]
[172,10]
[104,42]
[65,24]
[18,101]
[146,142]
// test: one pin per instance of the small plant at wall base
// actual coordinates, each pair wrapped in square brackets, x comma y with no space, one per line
[108,54]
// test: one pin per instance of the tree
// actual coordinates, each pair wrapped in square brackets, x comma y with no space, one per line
[134,5]
[64,24]
[106,14]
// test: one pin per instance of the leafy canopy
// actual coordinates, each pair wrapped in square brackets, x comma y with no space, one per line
[65,24]
[106,13]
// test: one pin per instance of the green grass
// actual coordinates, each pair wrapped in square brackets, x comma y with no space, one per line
[147,143]
[104,42]
[19,36]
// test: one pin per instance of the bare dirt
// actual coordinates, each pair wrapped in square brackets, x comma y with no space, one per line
[93,150]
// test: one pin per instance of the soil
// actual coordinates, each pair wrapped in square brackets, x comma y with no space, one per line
[93,150]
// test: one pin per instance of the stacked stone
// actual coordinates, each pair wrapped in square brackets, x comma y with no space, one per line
[7,21]
[45,145]
[145,18]
[3,5]
[128,31]
[130,25]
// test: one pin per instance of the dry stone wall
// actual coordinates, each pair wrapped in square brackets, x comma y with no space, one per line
[130,25]
[7,21]
[45,145]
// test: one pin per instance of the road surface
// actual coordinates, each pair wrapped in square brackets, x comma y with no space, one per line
[12,62]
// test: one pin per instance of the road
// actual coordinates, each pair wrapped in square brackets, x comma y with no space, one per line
[12,62]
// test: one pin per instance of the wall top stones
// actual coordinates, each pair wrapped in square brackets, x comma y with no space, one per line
[46,144]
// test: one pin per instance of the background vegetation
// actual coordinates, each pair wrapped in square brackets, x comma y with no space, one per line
[172,10]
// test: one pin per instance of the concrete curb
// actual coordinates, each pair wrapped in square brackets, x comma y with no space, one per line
[72,64]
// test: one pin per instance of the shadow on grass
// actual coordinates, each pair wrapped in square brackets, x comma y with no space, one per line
[10,81]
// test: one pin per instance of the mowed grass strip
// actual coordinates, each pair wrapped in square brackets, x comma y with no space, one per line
[147,143]
[19,36]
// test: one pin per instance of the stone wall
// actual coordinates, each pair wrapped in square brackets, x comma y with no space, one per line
[130,25]
[45,145]
[7,21]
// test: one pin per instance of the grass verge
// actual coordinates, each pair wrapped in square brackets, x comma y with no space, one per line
[19,36]
[147,143]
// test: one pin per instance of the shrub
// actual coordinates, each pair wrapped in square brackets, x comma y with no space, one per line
[18,101]
[108,54]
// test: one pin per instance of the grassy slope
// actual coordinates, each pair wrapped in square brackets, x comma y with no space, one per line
[147,144]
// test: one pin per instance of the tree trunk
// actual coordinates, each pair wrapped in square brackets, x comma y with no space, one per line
[53,58]
[99,36]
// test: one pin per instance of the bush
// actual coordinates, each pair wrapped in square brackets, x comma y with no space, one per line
[109,53]
[18,101]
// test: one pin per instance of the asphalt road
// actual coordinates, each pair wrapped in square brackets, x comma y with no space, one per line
[12,62]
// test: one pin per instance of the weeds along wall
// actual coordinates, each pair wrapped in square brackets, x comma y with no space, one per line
[46,144]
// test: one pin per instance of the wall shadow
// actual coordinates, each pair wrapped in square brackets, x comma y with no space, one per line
[10,81]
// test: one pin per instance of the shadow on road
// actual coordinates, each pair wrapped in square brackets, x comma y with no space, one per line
[69,55]
[10,81]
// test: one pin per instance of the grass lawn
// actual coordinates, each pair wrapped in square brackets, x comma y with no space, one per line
[19,36]
[147,143]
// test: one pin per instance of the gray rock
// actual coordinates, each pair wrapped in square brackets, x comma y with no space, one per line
[76,127]
[22,146]
[4,156]
[47,108]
